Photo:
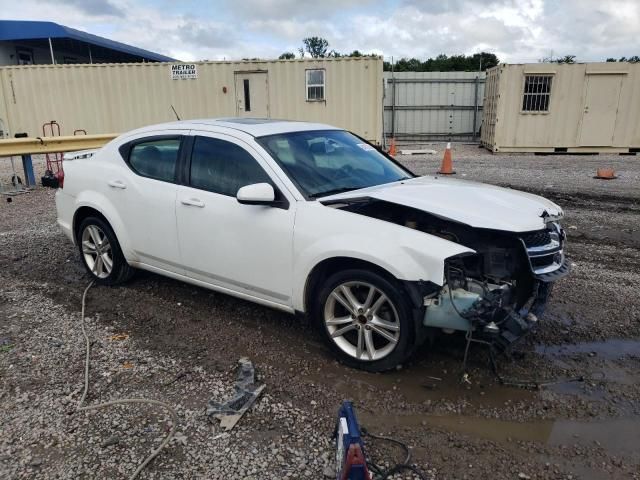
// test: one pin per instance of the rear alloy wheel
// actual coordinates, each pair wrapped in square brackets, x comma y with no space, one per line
[97,252]
[101,252]
[366,320]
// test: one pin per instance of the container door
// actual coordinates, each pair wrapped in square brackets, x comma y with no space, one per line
[600,110]
[252,95]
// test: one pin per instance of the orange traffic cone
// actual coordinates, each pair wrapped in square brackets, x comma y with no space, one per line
[447,162]
[605,174]
[392,148]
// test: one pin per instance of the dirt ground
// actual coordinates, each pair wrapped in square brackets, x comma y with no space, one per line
[181,344]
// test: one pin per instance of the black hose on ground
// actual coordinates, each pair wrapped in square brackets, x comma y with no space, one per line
[382,474]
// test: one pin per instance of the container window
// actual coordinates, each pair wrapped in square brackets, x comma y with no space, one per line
[315,85]
[24,56]
[247,96]
[537,93]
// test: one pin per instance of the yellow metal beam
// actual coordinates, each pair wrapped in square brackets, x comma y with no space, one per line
[37,145]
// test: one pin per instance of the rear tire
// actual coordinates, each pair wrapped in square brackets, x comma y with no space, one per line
[101,253]
[366,319]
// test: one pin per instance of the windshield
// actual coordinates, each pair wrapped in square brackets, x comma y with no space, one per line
[331,161]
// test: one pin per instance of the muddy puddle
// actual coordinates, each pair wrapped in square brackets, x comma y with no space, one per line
[417,384]
[429,380]
[611,349]
[612,361]
[620,437]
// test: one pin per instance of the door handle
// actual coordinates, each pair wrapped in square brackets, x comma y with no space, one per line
[117,184]
[192,202]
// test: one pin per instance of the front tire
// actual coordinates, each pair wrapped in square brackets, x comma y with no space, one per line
[366,319]
[101,253]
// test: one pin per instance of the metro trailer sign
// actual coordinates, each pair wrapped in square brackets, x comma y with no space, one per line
[184,71]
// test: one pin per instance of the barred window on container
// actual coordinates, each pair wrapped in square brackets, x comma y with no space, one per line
[537,93]
[315,85]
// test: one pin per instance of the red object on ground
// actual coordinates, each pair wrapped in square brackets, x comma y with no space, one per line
[392,148]
[447,162]
[605,174]
[54,160]
[355,459]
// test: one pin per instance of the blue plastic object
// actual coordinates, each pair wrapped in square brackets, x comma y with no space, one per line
[350,456]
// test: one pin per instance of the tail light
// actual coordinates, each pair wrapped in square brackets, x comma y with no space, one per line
[60,178]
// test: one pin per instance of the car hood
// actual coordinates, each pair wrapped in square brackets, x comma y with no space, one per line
[472,203]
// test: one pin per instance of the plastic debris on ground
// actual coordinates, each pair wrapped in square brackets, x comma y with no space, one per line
[247,391]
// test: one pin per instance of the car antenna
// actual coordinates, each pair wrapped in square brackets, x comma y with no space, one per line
[175,113]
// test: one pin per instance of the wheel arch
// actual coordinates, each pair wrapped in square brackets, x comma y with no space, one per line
[82,213]
[331,265]
[102,208]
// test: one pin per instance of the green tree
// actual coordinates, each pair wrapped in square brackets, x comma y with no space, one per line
[287,56]
[485,59]
[444,63]
[315,46]
[358,53]
[567,59]
[564,59]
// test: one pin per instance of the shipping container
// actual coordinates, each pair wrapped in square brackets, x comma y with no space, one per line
[548,107]
[426,106]
[114,98]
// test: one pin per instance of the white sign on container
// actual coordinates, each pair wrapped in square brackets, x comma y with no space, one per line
[183,71]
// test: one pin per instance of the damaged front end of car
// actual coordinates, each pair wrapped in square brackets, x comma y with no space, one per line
[499,292]
[496,294]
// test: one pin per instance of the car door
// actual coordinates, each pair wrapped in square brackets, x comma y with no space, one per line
[144,194]
[240,248]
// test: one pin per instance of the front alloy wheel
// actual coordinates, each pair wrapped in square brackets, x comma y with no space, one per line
[366,318]
[362,321]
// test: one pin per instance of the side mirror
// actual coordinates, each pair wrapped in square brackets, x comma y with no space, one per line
[256,194]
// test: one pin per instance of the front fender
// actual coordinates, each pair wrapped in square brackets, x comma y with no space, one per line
[323,232]
[100,202]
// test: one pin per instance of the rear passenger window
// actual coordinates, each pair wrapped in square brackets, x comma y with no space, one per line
[223,167]
[156,158]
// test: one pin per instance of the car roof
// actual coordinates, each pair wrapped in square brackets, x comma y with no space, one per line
[256,127]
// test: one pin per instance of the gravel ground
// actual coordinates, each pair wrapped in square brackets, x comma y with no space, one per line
[181,344]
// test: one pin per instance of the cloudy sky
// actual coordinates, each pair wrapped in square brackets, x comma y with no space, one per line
[516,30]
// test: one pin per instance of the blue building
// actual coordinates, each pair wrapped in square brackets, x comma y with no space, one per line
[31,43]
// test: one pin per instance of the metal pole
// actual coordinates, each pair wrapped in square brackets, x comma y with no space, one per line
[475,110]
[393,101]
[27,166]
[53,59]
[384,96]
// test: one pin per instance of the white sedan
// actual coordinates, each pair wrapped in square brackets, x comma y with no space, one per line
[310,218]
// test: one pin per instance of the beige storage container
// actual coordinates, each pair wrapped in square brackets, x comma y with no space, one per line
[114,98]
[547,107]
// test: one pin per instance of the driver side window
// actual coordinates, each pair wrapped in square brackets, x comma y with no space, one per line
[223,167]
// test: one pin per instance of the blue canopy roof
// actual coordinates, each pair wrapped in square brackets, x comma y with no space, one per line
[11,30]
